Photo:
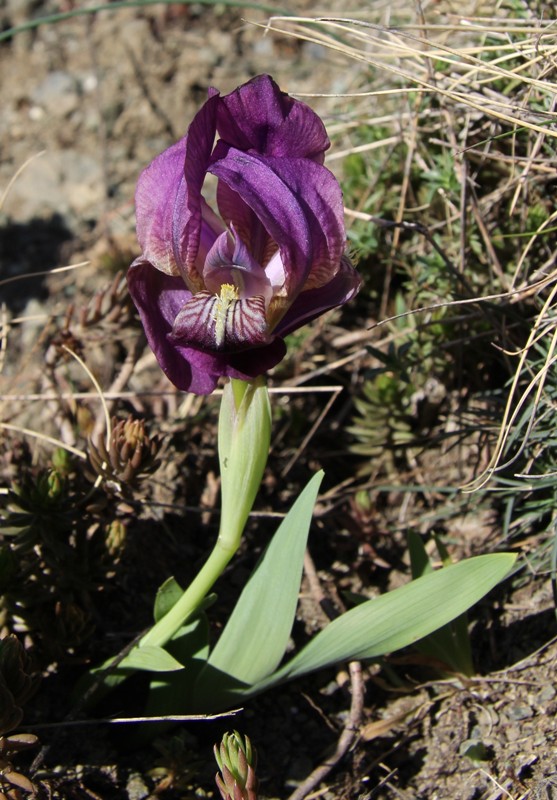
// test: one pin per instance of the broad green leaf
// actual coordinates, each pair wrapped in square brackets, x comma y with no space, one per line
[168,595]
[150,658]
[170,693]
[450,644]
[419,559]
[398,618]
[256,635]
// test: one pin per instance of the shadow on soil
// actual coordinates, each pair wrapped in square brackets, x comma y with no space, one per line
[26,248]
[509,643]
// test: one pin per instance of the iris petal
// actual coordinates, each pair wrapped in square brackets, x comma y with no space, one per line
[212,322]
[314,302]
[189,207]
[259,117]
[318,193]
[275,206]
[155,198]
[242,218]
[229,261]
[158,298]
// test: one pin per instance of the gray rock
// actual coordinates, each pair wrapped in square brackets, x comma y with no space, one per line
[57,94]
[68,183]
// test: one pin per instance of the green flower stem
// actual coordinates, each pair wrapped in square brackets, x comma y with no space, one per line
[165,628]
[244,438]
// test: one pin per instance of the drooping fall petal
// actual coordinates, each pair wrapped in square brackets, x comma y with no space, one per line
[315,302]
[159,299]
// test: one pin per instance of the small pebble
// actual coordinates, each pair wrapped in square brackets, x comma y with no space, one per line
[519,711]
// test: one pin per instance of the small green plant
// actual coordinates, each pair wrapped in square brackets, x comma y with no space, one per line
[46,562]
[237,760]
[401,398]
[53,557]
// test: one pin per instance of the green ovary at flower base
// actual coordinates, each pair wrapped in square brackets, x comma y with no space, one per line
[244,439]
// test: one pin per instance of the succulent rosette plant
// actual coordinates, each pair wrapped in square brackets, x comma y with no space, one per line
[217,293]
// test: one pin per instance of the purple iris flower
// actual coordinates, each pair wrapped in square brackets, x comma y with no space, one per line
[218,294]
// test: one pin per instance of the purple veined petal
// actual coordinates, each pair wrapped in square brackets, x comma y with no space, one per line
[159,298]
[242,218]
[318,192]
[221,322]
[275,206]
[155,197]
[189,212]
[312,303]
[259,116]
[229,261]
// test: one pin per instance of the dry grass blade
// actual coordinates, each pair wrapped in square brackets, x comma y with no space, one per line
[44,438]
[41,273]
[466,74]
[512,408]
[16,175]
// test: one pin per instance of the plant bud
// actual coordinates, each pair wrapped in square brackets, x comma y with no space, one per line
[244,438]
[130,455]
[237,761]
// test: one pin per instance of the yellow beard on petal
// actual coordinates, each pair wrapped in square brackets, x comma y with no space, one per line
[228,294]
[277,309]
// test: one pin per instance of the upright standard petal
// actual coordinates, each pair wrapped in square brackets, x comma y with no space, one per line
[155,199]
[318,193]
[189,216]
[275,206]
[259,117]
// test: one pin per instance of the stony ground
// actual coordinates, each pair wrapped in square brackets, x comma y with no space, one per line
[87,103]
